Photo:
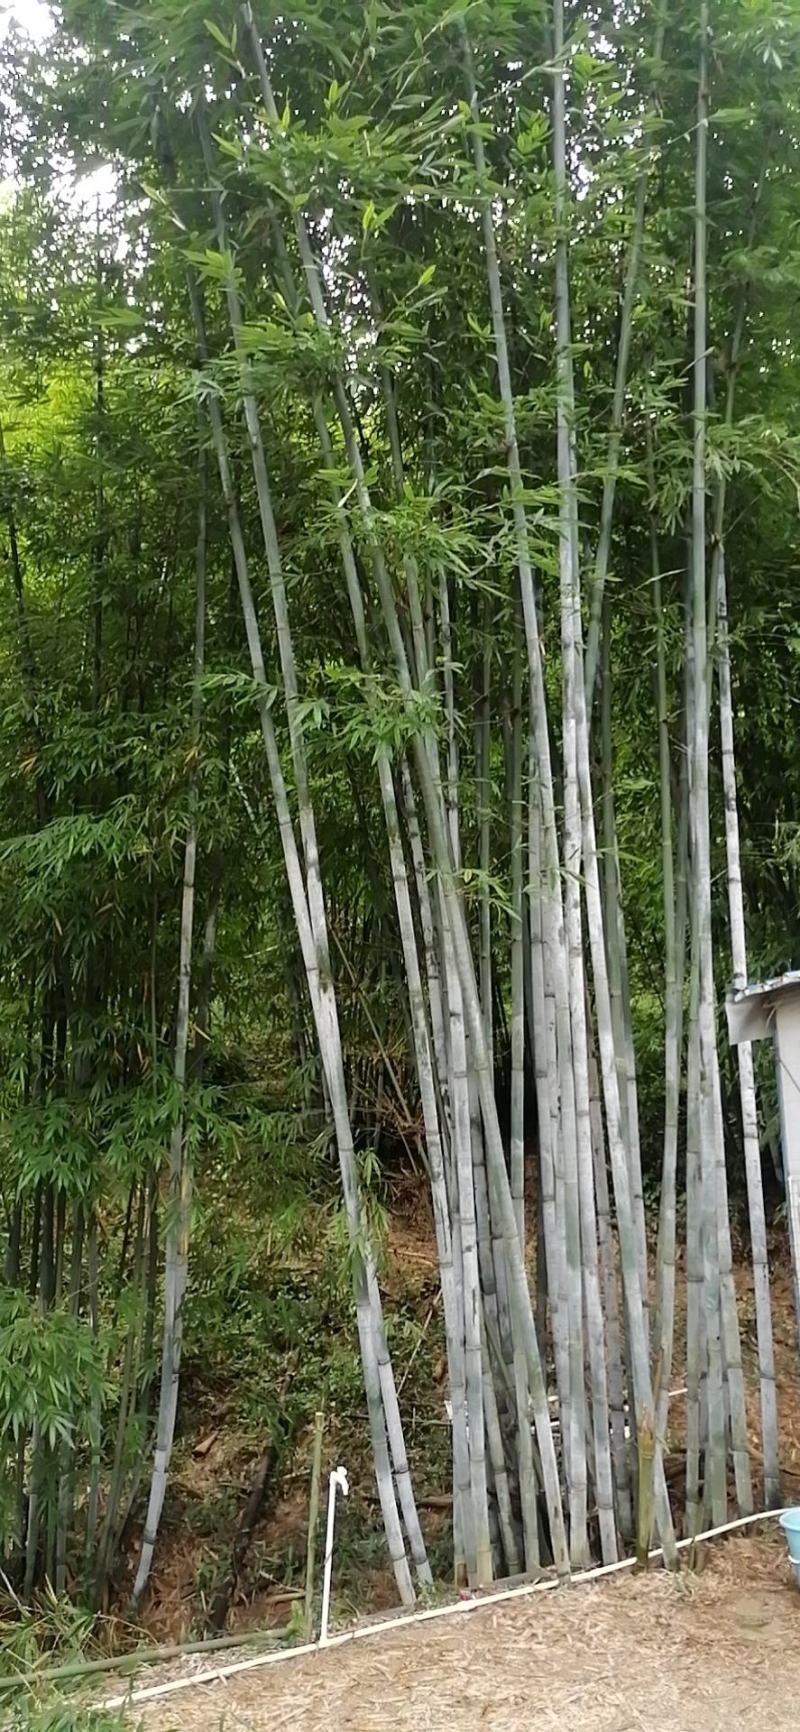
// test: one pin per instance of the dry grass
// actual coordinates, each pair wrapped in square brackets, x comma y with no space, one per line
[716,1650]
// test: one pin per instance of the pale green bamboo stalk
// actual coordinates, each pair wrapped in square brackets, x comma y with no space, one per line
[529,613]
[180,1173]
[747,1093]
[545,1071]
[424,1068]
[479,1566]
[550,1105]
[610,908]
[731,1339]
[637,1335]
[480,1561]
[66,1456]
[497,1312]
[674,948]
[491,1254]
[523,1324]
[483,739]
[466,1134]
[580,1051]
[602,555]
[311,1535]
[695,1316]
[700,826]
[320,991]
[451,779]
[620,1452]
[575,1154]
[523,1328]
[616,953]
[466,1139]
[494,1439]
[517,1139]
[447,1227]
[394,1424]
[95,1422]
[430,948]
[313,881]
[127,1401]
[37,1471]
[526,1471]
[574,795]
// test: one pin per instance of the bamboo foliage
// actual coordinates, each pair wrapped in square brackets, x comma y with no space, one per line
[426,304]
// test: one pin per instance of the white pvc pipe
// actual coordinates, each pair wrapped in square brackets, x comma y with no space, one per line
[337,1482]
[459,1608]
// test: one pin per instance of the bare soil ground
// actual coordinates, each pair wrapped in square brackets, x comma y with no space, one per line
[716,1650]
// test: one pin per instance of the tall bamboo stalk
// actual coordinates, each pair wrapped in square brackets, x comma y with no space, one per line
[328,1022]
[522,1318]
[466,1140]
[528,605]
[747,1093]
[320,990]
[550,1022]
[180,1170]
[674,947]
[619,987]
[700,833]
[517,1139]
[602,555]
[576,837]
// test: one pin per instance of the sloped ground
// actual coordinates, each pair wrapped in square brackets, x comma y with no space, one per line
[719,1650]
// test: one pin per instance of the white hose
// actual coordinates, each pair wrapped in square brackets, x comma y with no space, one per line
[337,1482]
[461,1608]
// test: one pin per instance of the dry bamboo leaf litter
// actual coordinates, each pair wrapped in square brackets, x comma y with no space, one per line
[718,1649]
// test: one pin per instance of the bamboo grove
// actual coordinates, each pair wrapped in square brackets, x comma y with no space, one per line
[399,467]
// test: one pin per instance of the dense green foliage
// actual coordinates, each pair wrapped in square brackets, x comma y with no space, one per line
[109,484]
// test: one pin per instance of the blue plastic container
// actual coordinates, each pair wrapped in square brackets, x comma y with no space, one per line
[790,1522]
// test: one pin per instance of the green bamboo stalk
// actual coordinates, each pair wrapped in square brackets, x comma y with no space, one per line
[127,1401]
[550,1099]
[731,1339]
[576,837]
[466,1137]
[331,1040]
[448,1236]
[66,1455]
[674,948]
[95,1418]
[706,1031]
[494,1441]
[517,1139]
[603,552]
[747,1093]
[537,689]
[313,1519]
[618,972]
[451,778]
[620,1451]
[695,1330]
[320,991]
[180,1170]
[523,1325]
[483,795]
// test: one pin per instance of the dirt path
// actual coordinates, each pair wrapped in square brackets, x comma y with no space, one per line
[718,1651]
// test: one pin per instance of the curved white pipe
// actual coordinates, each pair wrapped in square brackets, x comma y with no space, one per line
[337,1482]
